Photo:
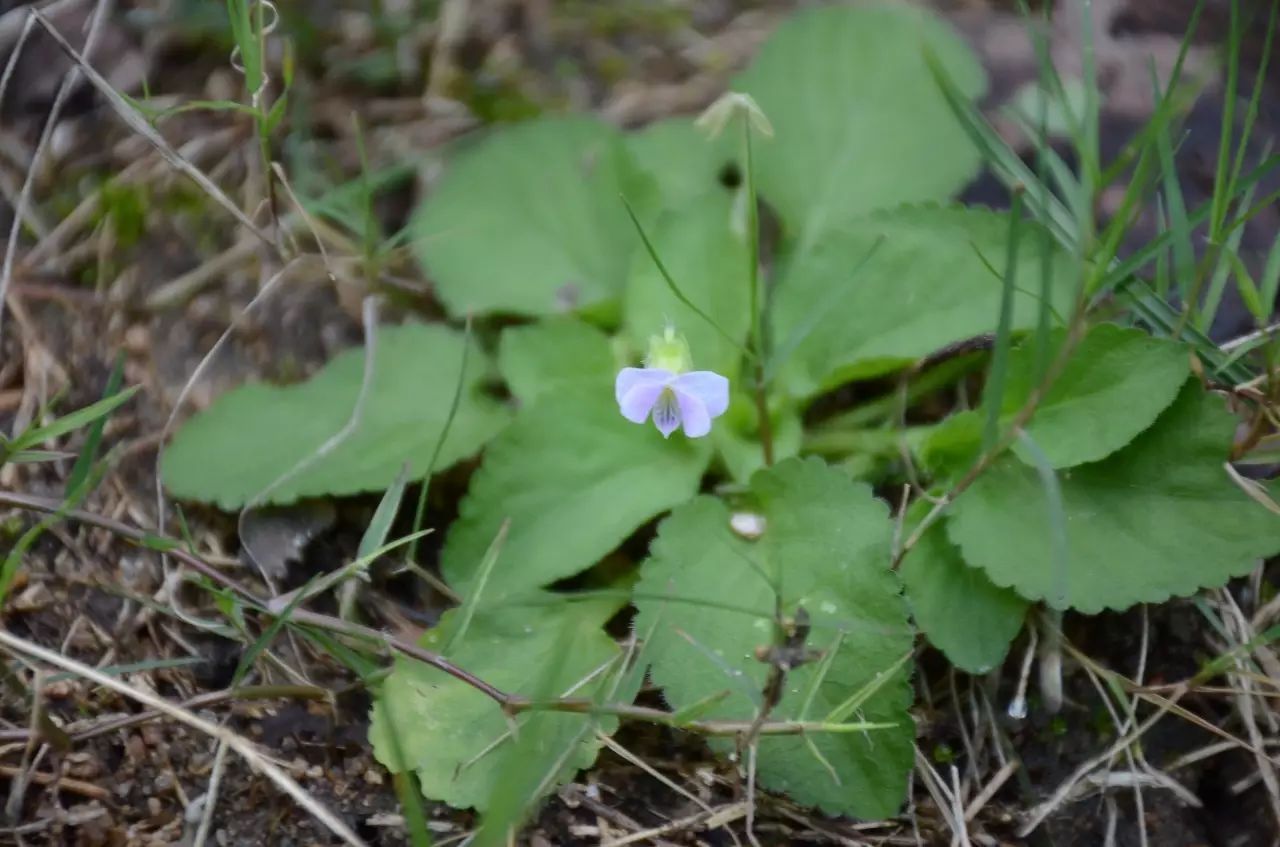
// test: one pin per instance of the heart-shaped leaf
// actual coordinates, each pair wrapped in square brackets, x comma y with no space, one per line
[530,220]
[859,122]
[1159,518]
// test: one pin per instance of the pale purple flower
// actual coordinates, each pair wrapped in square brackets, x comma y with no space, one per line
[689,399]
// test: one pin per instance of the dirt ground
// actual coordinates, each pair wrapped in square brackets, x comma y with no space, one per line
[161,279]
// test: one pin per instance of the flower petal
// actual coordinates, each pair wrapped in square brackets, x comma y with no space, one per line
[666,413]
[638,402]
[637,389]
[629,378]
[693,414]
[709,387]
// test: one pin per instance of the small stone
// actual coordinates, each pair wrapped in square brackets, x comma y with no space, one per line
[137,339]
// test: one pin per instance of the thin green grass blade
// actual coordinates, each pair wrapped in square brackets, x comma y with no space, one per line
[1222,178]
[675,289]
[72,421]
[13,559]
[1175,207]
[840,713]
[1221,272]
[420,511]
[84,463]
[1247,287]
[993,394]
[375,534]
[472,601]
[1270,284]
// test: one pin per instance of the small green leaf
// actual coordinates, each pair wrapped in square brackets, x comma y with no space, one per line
[1114,386]
[964,615]
[928,283]
[529,220]
[555,355]
[255,435]
[1159,518]
[859,122]
[709,262]
[575,478]
[826,544]
[457,739]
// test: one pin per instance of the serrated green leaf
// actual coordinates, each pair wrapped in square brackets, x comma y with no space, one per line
[859,122]
[555,355]
[709,261]
[1114,386]
[253,436]
[683,161]
[826,544]
[457,739]
[1159,518]
[928,283]
[529,220]
[964,615]
[575,478]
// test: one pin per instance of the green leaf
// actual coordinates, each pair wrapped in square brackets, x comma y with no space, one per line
[555,355]
[683,161]
[709,262]
[969,619]
[256,435]
[705,603]
[1114,386]
[575,478]
[952,445]
[859,122]
[1159,518]
[930,282]
[530,221]
[457,739]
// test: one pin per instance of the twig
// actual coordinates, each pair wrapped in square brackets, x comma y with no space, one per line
[75,786]
[239,744]
[512,704]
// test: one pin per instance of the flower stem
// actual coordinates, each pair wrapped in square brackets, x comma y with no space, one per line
[758,344]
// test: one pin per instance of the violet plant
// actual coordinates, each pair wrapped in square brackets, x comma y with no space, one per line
[782,600]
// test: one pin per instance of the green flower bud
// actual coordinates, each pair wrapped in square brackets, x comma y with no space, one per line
[669,352]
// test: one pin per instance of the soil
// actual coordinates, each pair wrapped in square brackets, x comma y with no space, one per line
[97,297]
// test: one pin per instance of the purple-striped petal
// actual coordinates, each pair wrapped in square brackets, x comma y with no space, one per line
[629,378]
[666,413]
[693,414]
[709,387]
[637,389]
